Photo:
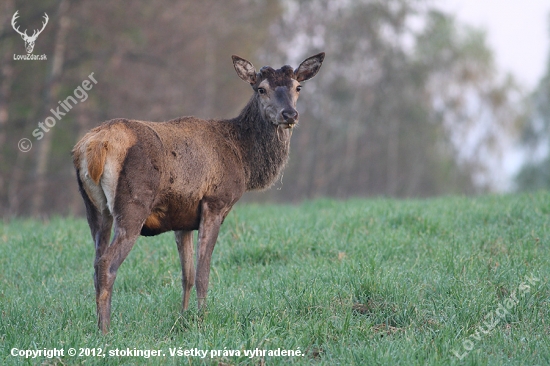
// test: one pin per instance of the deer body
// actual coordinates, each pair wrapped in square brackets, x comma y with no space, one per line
[183,175]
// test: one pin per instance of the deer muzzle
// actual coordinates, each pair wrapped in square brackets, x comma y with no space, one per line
[289,118]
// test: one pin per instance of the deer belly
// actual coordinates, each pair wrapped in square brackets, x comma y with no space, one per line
[159,222]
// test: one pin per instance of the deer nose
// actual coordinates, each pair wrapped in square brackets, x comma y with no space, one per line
[290,115]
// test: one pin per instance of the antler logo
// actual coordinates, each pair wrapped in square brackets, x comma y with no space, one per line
[29,40]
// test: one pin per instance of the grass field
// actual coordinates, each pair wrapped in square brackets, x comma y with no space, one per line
[439,281]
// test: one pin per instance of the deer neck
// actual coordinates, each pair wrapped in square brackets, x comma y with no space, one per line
[265,147]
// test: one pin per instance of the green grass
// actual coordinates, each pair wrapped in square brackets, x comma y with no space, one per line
[359,282]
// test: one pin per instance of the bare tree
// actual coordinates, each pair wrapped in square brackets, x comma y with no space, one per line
[52,85]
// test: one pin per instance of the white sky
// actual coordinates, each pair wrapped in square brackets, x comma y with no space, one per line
[517,30]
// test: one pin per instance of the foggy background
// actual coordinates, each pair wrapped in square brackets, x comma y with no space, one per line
[410,101]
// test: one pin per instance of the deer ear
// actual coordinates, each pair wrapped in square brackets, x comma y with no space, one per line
[309,67]
[245,69]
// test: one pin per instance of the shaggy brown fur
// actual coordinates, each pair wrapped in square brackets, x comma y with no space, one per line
[183,175]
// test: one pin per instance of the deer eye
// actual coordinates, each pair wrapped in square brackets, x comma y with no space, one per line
[298,88]
[261,90]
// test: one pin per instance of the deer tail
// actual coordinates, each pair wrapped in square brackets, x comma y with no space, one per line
[96,153]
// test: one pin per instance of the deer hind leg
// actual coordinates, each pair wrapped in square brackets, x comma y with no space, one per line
[211,220]
[101,240]
[129,219]
[184,241]
[100,223]
[100,226]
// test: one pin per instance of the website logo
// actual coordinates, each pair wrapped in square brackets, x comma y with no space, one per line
[29,40]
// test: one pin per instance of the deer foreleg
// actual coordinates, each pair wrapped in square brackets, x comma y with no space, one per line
[209,228]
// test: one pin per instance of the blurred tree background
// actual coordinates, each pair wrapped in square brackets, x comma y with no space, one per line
[408,102]
[535,174]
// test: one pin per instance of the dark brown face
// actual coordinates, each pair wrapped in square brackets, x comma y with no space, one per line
[277,90]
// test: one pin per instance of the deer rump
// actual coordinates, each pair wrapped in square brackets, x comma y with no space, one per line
[168,166]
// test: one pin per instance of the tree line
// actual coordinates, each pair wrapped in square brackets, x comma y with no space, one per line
[406,105]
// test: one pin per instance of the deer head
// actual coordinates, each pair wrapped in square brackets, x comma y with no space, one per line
[29,40]
[278,90]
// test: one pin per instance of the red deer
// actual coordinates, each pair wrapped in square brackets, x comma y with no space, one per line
[183,175]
